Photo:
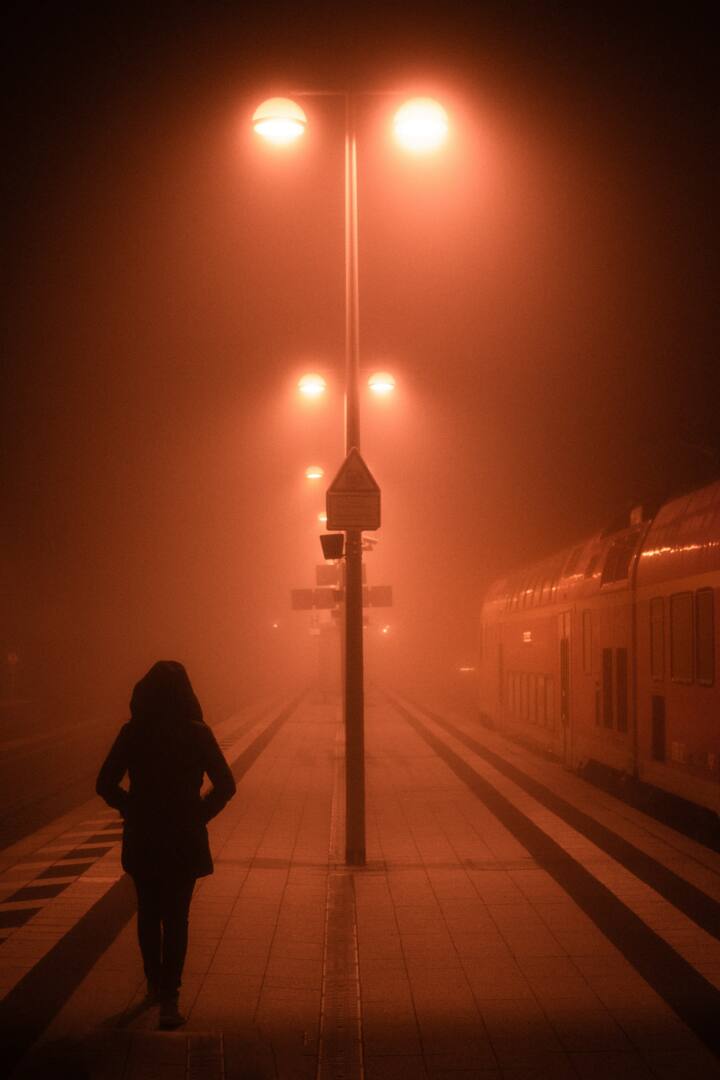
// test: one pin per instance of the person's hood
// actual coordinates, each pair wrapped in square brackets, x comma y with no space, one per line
[165,695]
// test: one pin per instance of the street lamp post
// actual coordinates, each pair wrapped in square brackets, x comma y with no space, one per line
[420,124]
[353,652]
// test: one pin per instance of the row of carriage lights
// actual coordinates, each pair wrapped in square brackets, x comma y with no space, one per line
[420,126]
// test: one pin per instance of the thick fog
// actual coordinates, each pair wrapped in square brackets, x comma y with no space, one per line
[539,289]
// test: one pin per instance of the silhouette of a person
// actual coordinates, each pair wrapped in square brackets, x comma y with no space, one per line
[166,749]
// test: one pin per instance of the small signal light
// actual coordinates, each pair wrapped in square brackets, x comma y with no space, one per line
[312,385]
[381,383]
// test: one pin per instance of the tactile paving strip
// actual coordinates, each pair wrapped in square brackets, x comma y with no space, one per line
[341,1055]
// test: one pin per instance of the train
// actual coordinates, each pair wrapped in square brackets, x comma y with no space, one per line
[605,654]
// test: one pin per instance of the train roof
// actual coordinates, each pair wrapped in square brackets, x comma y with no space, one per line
[682,538]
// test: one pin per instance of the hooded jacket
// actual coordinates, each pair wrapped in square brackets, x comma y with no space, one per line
[166,749]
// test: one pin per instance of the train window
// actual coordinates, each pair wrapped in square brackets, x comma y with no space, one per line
[657,637]
[617,561]
[681,637]
[573,560]
[704,637]
[587,642]
[501,674]
[621,689]
[550,701]
[607,687]
[658,728]
[541,701]
[590,568]
[564,676]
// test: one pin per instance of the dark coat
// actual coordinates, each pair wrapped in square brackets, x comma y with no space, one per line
[166,749]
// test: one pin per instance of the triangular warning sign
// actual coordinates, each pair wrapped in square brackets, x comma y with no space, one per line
[354,475]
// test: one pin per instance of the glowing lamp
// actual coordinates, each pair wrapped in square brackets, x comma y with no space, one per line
[312,385]
[421,125]
[381,383]
[322,517]
[314,472]
[279,120]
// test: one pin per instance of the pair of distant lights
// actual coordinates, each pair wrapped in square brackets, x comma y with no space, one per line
[313,386]
[420,125]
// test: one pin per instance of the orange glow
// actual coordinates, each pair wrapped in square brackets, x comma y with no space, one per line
[314,472]
[279,120]
[385,630]
[381,383]
[322,517]
[421,125]
[312,385]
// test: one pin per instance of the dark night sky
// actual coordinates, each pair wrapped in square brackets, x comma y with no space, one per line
[544,291]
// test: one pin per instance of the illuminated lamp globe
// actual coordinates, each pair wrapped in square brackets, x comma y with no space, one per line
[421,125]
[322,517]
[314,472]
[381,383]
[279,120]
[312,385]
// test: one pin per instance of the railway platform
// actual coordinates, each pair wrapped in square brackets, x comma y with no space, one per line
[511,922]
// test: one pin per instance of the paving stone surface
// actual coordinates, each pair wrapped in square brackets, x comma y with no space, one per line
[453,953]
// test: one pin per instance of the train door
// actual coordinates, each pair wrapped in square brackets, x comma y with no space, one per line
[565,624]
[501,680]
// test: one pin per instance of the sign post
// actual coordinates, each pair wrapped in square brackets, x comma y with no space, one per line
[352,504]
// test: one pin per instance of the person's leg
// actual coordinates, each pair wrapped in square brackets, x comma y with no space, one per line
[149,919]
[175,910]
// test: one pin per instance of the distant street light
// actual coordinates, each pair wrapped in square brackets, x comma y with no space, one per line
[421,125]
[314,472]
[381,383]
[279,120]
[312,385]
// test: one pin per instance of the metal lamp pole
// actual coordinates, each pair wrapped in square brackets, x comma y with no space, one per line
[353,651]
[421,124]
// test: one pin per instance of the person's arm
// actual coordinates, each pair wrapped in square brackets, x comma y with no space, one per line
[223,782]
[111,773]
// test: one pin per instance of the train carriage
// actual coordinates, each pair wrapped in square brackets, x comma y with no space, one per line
[676,597]
[607,652]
